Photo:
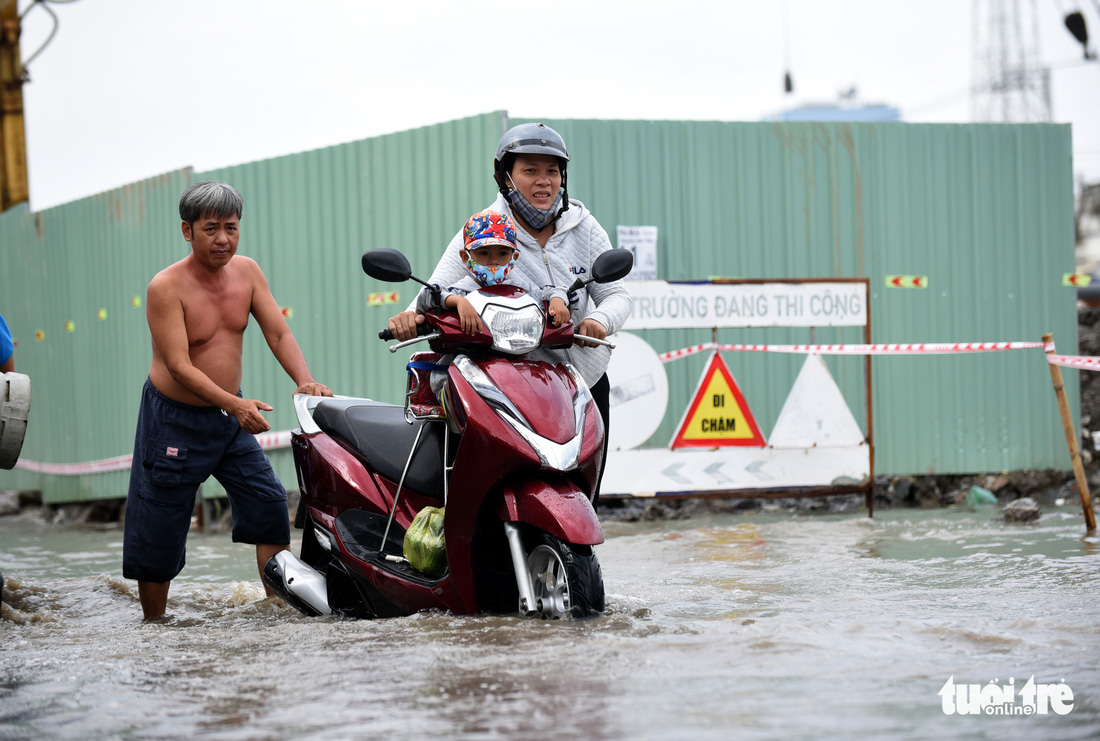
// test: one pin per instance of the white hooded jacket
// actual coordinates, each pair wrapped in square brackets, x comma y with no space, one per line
[568,255]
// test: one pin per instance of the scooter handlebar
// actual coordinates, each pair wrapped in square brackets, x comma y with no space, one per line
[593,340]
[421,330]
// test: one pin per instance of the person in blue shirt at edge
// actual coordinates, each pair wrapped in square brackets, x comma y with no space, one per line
[558,239]
[193,421]
[7,348]
[7,365]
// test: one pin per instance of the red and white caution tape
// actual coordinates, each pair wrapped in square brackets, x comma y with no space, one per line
[1075,361]
[267,441]
[677,354]
[281,439]
[887,349]
[118,463]
[883,349]
[273,440]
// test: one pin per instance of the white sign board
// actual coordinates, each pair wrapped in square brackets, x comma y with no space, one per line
[659,304]
[815,414]
[649,472]
[642,241]
[816,443]
[639,391]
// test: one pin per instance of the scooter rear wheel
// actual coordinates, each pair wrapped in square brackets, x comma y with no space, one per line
[566,578]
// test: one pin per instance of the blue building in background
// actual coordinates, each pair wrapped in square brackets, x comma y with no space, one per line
[847,108]
[834,112]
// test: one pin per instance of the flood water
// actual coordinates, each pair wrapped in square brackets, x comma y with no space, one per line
[757,626]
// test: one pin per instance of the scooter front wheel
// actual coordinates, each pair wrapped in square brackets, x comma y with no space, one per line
[566,579]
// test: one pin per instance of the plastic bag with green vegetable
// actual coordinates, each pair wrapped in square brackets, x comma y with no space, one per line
[425,547]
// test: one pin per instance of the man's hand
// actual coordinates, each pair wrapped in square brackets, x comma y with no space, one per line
[591,328]
[403,326]
[314,389]
[247,412]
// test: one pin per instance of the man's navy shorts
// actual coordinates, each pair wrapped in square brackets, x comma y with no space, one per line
[177,447]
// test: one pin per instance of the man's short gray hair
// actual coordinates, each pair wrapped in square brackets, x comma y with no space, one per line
[210,198]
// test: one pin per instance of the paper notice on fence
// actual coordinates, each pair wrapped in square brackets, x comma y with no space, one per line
[642,241]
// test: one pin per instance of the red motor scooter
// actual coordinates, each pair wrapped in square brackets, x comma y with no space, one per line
[511,451]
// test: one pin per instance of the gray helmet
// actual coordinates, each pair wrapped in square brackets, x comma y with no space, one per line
[530,138]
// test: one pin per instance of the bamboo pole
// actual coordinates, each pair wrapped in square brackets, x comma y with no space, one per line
[13,142]
[1071,436]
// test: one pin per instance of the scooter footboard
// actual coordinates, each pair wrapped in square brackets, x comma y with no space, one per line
[555,506]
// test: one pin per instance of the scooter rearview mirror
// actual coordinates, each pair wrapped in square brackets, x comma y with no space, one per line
[390,266]
[608,266]
[387,265]
[612,265]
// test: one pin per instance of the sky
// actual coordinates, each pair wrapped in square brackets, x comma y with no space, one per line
[130,89]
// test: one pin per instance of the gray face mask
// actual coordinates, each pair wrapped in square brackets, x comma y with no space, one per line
[537,218]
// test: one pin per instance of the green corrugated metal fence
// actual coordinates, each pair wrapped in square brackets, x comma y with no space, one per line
[986,211]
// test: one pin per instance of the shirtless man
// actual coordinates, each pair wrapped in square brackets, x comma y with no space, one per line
[193,422]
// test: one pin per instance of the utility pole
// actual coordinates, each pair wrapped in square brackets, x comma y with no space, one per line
[1009,82]
[13,142]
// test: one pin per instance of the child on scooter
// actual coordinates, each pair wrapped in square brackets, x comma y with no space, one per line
[489,251]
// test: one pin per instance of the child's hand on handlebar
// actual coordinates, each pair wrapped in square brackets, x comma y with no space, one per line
[467,315]
[559,312]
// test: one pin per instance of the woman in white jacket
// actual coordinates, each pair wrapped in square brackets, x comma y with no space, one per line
[558,240]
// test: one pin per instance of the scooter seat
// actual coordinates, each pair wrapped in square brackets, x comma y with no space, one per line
[380,434]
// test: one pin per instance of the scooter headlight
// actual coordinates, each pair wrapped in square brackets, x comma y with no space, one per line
[515,330]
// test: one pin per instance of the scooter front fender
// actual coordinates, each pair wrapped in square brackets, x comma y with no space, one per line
[556,506]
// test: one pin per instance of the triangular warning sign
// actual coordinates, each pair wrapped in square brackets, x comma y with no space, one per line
[815,414]
[718,415]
